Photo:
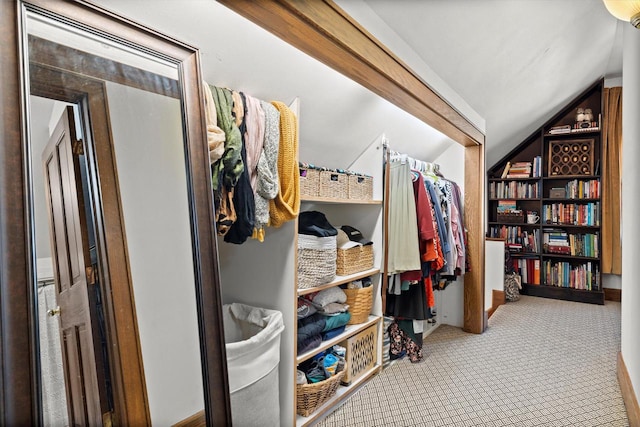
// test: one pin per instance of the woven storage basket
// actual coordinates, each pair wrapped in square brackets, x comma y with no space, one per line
[362,354]
[360,187]
[334,185]
[353,260]
[513,218]
[316,260]
[309,182]
[360,302]
[310,397]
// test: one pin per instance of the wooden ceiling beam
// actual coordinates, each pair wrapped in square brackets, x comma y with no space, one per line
[326,32]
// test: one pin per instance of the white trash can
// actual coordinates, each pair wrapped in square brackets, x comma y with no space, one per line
[252,337]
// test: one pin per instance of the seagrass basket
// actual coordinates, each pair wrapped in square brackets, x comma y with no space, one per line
[309,182]
[316,260]
[310,397]
[360,187]
[360,302]
[354,259]
[334,185]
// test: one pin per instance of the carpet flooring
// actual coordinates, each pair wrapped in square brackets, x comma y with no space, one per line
[541,362]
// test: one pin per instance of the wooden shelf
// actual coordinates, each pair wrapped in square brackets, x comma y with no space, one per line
[340,280]
[516,224]
[570,257]
[525,254]
[349,331]
[330,200]
[584,227]
[594,131]
[568,294]
[514,198]
[570,177]
[341,394]
[551,150]
[549,200]
[531,178]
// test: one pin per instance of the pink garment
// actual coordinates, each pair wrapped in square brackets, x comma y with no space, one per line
[254,137]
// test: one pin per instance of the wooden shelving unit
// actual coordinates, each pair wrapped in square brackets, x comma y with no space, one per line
[564,158]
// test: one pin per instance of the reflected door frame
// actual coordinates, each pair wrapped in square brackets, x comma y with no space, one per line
[125,354]
[19,364]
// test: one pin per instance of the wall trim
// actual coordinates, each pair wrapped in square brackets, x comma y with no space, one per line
[612,294]
[196,420]
[628,394]
[497,299]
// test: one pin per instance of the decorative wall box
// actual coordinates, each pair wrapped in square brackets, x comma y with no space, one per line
[571,157]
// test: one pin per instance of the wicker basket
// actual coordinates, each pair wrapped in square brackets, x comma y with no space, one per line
[310,397]
[360,302]
[333,185]
[362,354]
[309,182]
[353,260]
[316,260]
[512,218]
[360,187]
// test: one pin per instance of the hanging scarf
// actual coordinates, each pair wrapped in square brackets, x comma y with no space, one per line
[268,181]
[243,202]
[253,137]
[286,204]
[228,168]
[215,135]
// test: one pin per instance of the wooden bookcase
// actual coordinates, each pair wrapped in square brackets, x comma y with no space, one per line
[558,256]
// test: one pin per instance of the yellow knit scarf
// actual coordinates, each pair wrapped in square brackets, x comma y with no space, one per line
[286,204]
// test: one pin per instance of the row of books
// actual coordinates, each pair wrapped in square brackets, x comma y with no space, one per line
[561,242]
[517,239]
[579,189]
[523,169]
[575,128]
[587,214]
[563,274]
[528,268]
[514,189]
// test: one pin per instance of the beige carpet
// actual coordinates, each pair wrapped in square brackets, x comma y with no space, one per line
[541,362]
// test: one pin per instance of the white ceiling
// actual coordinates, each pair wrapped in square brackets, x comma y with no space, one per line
[515,62]
[508,65]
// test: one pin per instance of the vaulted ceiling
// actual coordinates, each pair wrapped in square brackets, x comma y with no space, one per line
[515,62]
[508,65]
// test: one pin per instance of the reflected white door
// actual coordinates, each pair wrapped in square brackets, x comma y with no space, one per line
[81,346]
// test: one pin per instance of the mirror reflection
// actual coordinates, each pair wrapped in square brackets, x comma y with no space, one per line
[115,273]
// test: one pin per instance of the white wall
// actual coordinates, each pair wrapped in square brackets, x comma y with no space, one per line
[493,270]
[149,151]
[631,204]
[450,301]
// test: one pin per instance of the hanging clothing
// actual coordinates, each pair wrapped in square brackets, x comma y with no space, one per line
[243,199]
[254,137]
[404,251]
[229,167]
[286,205]
[403,341]
[268,181]
[215,135]
[226,170]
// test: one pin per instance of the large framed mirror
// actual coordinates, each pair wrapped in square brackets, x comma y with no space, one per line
[109,290]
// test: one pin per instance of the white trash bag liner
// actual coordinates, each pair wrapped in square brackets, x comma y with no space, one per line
[252,337]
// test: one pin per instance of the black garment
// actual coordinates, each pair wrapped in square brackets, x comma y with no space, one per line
[243,199]
[314,223]
[410,304]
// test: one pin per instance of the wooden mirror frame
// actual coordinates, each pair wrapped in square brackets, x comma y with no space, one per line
[19,376]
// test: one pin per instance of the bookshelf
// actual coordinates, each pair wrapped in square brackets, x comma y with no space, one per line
[545,201]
